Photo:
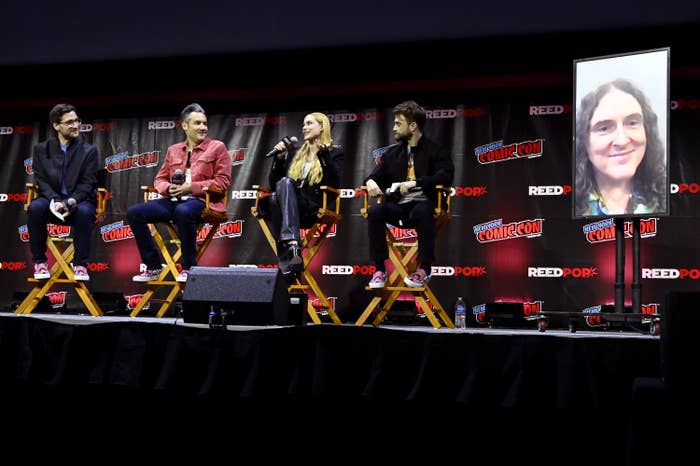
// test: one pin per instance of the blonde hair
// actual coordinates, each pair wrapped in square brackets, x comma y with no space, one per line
[296,167]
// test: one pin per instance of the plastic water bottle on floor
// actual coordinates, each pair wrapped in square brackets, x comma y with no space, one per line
[460,314]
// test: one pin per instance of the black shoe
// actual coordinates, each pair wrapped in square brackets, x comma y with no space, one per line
[291,263]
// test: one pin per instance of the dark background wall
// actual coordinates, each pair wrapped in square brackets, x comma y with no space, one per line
[135,58]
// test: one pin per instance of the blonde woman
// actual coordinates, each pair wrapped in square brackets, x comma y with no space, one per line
[297,178]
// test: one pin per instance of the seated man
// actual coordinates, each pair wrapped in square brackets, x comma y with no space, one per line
[413,167]
[188,168]
[65,169]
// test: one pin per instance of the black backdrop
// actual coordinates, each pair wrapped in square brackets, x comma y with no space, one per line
[481,97]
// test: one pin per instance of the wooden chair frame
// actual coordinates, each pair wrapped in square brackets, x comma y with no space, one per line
[170,248]
[403,255]
[310,243]
[63,250]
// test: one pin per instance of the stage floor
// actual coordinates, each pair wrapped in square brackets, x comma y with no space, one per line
[86,319]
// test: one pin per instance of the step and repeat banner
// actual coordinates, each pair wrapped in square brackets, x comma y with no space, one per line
[511,236]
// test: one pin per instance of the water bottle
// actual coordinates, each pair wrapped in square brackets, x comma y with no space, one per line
[460,313]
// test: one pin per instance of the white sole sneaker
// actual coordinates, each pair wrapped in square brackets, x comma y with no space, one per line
[413,284]
[140,279]
[42,276]
[376,286]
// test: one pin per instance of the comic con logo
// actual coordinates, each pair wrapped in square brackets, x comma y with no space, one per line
[124,161]
[320,307]
[379,152]
[497,152]
[496,230]
[13,266]
[55,231]
[133,300]
[469,191]
[237,156]
[322,228]
[593,318]
[57,299]
[600,232]
[8,130]
[28,166]
[531,311]
[402,233]
[231,229]
[260,120]
[117,231]
[13,197]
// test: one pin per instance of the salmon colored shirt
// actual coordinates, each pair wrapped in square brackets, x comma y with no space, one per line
[210,165]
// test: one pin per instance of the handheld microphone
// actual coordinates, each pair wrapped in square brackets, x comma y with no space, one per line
[290,143]
[414,189]
[178,178]
[70,204]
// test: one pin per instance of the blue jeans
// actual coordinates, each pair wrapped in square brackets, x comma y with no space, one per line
[81,221]
[183,214]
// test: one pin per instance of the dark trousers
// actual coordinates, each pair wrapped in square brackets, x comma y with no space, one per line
[81,221]
[183,214]
[289,210]
[418,215]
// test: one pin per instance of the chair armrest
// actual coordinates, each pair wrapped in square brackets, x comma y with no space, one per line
[102,197]
[325,190]
[146,191]
[32,193]
[446,191]
[212,193]
[262,191]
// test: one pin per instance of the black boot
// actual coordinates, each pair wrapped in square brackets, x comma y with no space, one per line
[291,263]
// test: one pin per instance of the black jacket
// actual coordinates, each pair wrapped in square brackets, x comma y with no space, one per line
[81,171]
[311,197]
[432,164]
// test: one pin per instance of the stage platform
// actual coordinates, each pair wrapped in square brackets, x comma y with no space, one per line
[497,384]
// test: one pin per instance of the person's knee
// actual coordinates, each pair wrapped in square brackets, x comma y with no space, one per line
[133,213]
[84,211]
[376,213]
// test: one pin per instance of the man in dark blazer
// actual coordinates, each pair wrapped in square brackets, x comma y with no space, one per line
[410,169]
[65,169]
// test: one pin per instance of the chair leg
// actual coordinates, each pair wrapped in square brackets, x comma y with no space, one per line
[60,267]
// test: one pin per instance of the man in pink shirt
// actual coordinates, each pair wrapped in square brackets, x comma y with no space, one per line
[189,167]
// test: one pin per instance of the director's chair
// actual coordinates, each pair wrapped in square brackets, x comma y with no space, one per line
[63,250]
[311,243]
[404,257]
[168,243]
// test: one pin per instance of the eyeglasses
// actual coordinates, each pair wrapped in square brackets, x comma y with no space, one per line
[75,122]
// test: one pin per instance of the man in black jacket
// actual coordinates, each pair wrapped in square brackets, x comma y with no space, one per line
[65,168]
[408,173]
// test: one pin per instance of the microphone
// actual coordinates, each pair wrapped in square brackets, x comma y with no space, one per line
[390,191]
[290,143]
[178,178]
[70,204]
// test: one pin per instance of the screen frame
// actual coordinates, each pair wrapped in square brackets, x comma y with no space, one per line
[606,68]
